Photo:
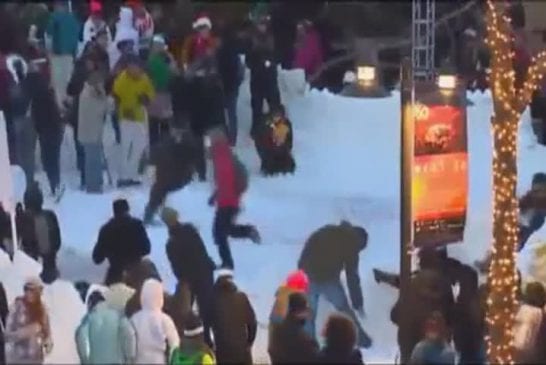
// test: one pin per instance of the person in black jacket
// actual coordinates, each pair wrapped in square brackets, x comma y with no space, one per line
[207,104]
[191,264]
[5,232]
[329,250]
[231,71]
[261,61]
[340,334]
[174,168]
[39,232]
[3,316]
[234,322]
[291,344]
[123,241]
[274,143]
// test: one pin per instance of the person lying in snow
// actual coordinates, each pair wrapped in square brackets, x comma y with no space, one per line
[274,143]
[532,215]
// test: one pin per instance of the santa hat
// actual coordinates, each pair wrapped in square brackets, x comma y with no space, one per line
[95,7]
[202,21]
[298,281]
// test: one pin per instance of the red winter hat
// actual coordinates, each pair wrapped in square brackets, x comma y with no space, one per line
[202,20]
[95,7]
[297,280]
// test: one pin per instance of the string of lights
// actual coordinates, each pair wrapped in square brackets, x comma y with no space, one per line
[509,103]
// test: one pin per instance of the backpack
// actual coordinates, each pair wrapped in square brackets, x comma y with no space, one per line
[180,357]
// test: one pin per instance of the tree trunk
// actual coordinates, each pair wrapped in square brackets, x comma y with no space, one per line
[503,272]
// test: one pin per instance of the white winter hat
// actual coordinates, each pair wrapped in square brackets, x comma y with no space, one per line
[202,21]
[224,273]
[158,38]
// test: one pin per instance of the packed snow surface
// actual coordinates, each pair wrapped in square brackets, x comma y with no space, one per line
[347,152]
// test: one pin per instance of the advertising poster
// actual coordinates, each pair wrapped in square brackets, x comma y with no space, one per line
[439,174]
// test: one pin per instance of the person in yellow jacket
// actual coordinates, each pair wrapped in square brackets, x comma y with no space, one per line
[296,282]
[133,91]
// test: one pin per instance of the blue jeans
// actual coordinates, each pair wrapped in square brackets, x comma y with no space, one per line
[334,293]
[231,109]
[93,167]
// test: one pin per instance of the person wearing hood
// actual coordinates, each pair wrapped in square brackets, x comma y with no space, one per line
[174,159]
[234,321]
[434,348]
[231,181]
[105,335]
[340,334]
[292,344]
[132,91]
[39,232]
[155,331]
[95,23]
[327,252]
[63,29]
[191,264]
[123,241]
[117,295]
[297,282]
[28,332]
[125,31]
[193,349]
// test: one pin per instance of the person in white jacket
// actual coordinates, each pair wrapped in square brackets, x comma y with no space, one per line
[156,333]
[125,31]
[94,24]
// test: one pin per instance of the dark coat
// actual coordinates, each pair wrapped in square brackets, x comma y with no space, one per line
[175,162]
[44,109]
[187,254]
[234,324]
[230,66]
[331,249]
[262,61]
[181,96]
[328,356]
[207,104]
[27,232]
[430,291]
[292,345]
[3,316]
[123,241]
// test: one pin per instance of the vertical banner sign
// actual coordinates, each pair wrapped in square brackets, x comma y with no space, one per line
[6,190]
[439,174]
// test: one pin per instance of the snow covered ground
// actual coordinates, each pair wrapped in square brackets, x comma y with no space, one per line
[347,151]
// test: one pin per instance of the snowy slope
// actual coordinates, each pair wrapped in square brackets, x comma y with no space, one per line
[347,151]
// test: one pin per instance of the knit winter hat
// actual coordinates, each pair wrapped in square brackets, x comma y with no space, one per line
[202,21]
[193,326]
[169,216]
[120,207]
[95,7]
[297,280]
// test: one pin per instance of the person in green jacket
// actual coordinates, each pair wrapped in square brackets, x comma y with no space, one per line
[161,68]
[193,350]
[63,30]
[105,335]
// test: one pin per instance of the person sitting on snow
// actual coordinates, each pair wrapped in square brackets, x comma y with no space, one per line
[326,253]
[231,180]
[123,241]
[39,232]
[235,325]
[274,143]
[174,167]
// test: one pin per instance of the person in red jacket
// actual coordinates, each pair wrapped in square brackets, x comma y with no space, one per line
[231,180]
[200,43]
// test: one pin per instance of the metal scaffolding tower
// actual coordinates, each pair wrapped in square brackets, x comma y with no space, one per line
[422,50]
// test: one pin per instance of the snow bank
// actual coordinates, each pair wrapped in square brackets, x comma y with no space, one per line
[64,305]
[347,153]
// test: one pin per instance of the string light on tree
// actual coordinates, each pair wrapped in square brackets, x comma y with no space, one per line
[509,103]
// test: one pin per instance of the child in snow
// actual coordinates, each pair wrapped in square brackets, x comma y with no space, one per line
[274,143]
[193,350]
[156,333]
[27,332]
